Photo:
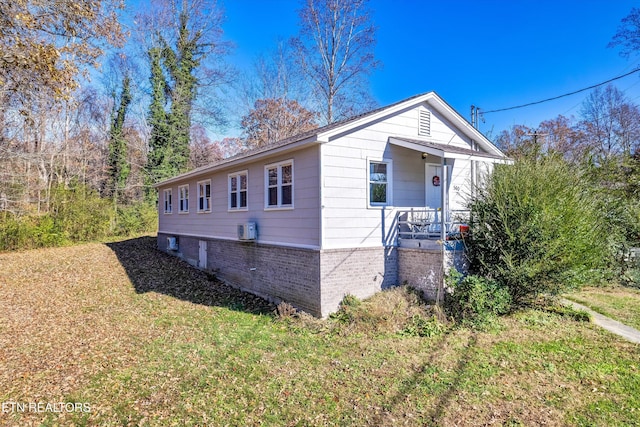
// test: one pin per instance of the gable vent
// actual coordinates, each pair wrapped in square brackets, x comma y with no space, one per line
[424,123]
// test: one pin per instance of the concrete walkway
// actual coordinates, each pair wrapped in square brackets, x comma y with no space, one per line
[626,332]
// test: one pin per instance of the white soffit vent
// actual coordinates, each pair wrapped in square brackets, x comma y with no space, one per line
[424,122]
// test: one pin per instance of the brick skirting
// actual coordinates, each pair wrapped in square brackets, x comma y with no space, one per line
[312,280]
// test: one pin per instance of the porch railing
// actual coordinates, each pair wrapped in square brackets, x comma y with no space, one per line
[424,223]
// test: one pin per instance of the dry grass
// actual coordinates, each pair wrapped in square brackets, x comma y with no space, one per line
[146,340]
[618,302]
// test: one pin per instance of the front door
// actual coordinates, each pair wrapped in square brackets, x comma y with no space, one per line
[433,186]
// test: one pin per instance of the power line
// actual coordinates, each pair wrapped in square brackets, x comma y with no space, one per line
[562,96]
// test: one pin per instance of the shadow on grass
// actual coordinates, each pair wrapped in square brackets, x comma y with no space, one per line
[447,389]
[151,270]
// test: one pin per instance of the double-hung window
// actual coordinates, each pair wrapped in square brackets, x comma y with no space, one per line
[204,196]
[238,184]
[167,201]
[183,199]
[279,185]
[379,183]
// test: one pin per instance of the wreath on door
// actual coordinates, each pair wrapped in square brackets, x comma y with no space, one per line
[435,181]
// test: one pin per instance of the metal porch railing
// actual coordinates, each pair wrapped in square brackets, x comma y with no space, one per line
[424,223]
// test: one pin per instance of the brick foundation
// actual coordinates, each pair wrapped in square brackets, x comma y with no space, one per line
[422,269]
[314,280]
[357,271]
[274,272]
[425,269]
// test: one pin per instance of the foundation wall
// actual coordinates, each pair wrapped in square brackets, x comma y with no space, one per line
[273,272]
[356,271]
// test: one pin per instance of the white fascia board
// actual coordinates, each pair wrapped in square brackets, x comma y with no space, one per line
[471,132]
[443,152]
[417,147]
[476,158]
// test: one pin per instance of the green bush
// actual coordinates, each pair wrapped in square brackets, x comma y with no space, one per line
[29,232]
[421,326]
[474,299]
[76,214]
[137,218]
[80,213]
[538,228]
[348,306]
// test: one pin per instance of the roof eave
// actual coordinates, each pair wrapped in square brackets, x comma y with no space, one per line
[239,161]
[445,153]
[471,132]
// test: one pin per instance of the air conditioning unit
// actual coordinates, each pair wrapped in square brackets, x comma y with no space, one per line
[247,231]
[172,243]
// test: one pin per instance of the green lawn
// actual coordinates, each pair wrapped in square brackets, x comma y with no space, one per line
[143,339]
[619,303]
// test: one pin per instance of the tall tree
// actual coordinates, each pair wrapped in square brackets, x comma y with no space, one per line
[561,136]
[627,37]
[184,46]
[46,44]
[272,120]
[335,49]
[118,164]
[610,123]
[160,137]
[181,62]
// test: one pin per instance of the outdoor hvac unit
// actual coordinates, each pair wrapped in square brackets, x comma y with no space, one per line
[172,243]
[247,231]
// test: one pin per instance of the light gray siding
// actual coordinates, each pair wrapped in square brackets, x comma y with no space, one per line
[347,218]
[299,226]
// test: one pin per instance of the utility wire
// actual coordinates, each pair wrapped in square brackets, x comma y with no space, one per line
[562,96]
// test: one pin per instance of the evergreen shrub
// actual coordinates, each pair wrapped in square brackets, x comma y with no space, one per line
[537,227]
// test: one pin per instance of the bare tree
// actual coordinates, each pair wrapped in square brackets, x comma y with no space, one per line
[517,141]
[627,36]
[203,150]
[610,123]
[561,136]
[335,50]
[278,75]
[273,120]
[229,146]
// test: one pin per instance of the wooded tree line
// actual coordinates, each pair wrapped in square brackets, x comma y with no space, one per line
[97,104]
[604,142]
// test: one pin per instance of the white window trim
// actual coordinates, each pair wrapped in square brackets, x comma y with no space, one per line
[180,199]
[237,176]
[168,202]
[280,206]
[207,209]
[389,163]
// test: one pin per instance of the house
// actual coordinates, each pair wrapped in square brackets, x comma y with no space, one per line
[350,208]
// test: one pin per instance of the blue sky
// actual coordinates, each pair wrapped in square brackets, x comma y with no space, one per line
[489,53]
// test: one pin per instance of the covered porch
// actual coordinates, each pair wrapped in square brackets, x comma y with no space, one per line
[432,185]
